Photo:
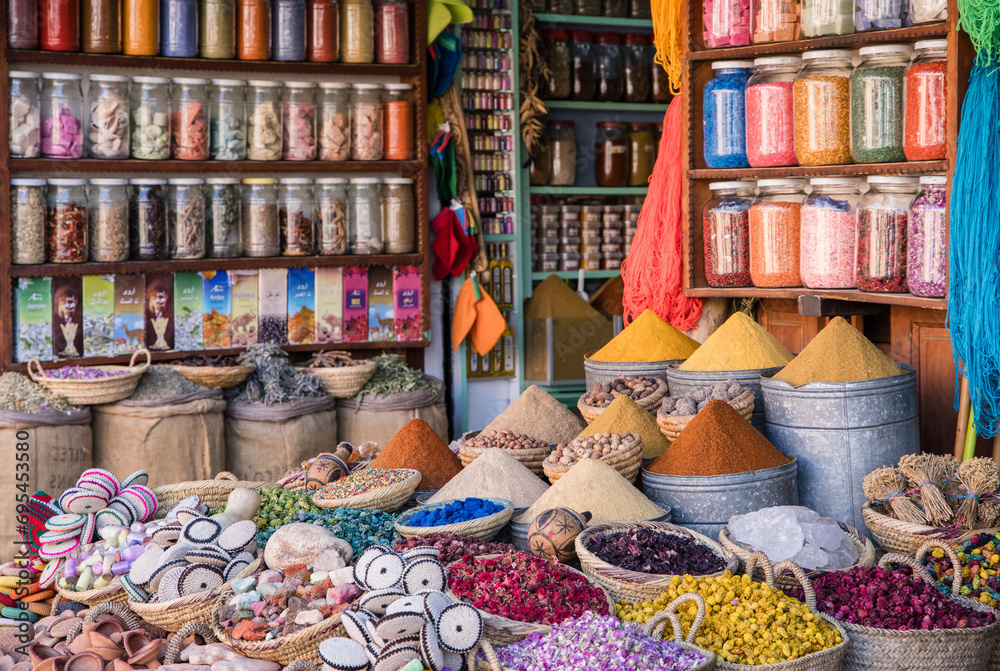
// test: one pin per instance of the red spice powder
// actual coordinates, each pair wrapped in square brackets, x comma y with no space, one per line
[418,446]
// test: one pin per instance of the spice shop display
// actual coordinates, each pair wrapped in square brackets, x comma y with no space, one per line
[927,239]
[724,115]
[24,121]
[357,29]
[398,116]
[62,115]
[979,569]
[223,217]
[621,450]
[638,67]
[109,227]
[883,215]
[178,29]
[227,120]
[653,548]
[828,233]
[557,58]
[150,104]
[796,533]
[59,26]
[838,353]
[263,100]
[877,105]
[770,118]
[452,547]
[698,398]
[925,117]
[331,215]
[639,388]
[217,34]
[775,233]
[822,109]
[364,216]
[726,233]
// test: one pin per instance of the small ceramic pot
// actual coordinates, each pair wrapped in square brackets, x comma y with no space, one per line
[553,533]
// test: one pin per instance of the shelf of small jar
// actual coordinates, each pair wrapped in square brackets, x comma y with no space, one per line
[545,190]
[845,170]
[600,106]
[834,294]
[211,168]
[604,21]
[573,274]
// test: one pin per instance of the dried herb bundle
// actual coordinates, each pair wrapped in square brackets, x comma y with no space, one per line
[889,485]
[275,379]
[978,476]
[925,472]
[394,377]
[534,74]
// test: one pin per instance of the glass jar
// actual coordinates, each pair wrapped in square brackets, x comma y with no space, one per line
[188,124]
[223,217]
[562,152]
[108,210]
[60,25]
[398,115]
[22,24]
[392,31]
[726,234]
[880,15]
[261,232]
[398,215]
[883,215]
[821,104]
[179,28]
[609,67]
[925,118]
[334,122]
[227,120]
[611,154]
[724,115]
[587,7]
[186,218]
[296,214]
[660,84]
[147,220]
[770,117]
[288,30]
[364,216]
[638,59]
[582,58]
[774,21]
[829,222]
[877,104]
[559,6]
[557,84]
[927,11]
[540,165]
[27,221]
[323,28]
[357,28]
[927,239]
[726,23]
[263,102]
[101,26]
[366,122]
[774,233]
[140,27]
[217,29]
[108,117]
[150,98]
[62,112]
[641,151]
[827,17]
[253,30]
[24,120]
[640,9]
[298,121]
[331,215]
[66,221]
[614,8]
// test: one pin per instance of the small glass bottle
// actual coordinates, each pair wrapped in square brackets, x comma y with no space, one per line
[263,101]
[726,23]
[828,235]
[334,122]
[140,27]
[227,120]
[559,6]
[641,153]
[22,24]
[582,60]
[398,215]
[614,8]
[147,220]
[609,67]
[298,121]
[879,15]
[25,118]
[188,122]
[927,239]
[66,221]
[559,81]
[60,25]
[296,216]
[107,117]
[179,28]
[261,233]
[726,234]
[331,215]
[62,115]
[288,30]
[883,215]
[150,104]
[877,104]
[223,217]
[217,29]
[108,200]
[587,7]
[366,122]
[253,30]
[827,17]
[770,115]
[724,115]
[27,221]
[822,107]
[562,152]
[774,21]
[926,116]
[774,233]
[323,26]
[357,28]
[398,115]
[186,218]
[364,216]
[638,60]
[101,26]
[611,154]
[640,9]
[392,31]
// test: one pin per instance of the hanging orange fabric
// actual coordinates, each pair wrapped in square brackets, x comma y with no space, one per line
[476,316]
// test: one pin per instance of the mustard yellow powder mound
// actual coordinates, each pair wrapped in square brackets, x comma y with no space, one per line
[739,344]
[838,353]
[648,338]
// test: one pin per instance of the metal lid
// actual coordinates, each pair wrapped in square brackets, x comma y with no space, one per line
[919,46]
[67,182]
[222,180]
[398,87]
[826,53]
[264,83]
[885,49]
[61,75]
[260,180]
[151,80]
[186,181]
[397,180]
[940,180]
[27,181]
[227,82]
[886,179]
[777,60]
[110,181]
[295,181]
[301,85]
[148,181]
[365,180]
[190,81]
[331,180]
[714,186]
[834,181]
[333,85]
[366,87]
[108,78]
[24,74]
[726,65]
[785,181]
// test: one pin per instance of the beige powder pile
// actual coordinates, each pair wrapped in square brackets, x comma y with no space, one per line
[536,414]
[495,474]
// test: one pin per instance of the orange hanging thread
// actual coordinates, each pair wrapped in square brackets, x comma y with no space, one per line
[667,25]
[652,269]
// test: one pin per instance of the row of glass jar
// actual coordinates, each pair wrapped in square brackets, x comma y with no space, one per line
[624,154]
[636,9]
[891,239]
[190,218]
[592,237]
[323,31]
[736,23]
[817,110]
[585,66]
[188,119]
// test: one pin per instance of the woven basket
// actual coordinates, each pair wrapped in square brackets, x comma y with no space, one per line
[627,462]
[894,535]
[483,527]
[174,614]
[650,403]
[387,499]
[672,425]
[633,586]
[214,376]
[113,593]
[532,458]
[96,391]
[212,493]
[866,555]
[346,381]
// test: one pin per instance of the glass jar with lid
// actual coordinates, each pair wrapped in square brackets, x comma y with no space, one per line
[827,17]
[822,108]
[587,7]
[357,31]
[25,119]
[557,85]
[609,67]
[100,31]
[296,216]
[540,165]
[27,221]
[179,28]
[774,233]
[883,217]
[108,212]
[22,24]
[774,21]
[770,116]
[253,30]
[66,221]
[227,120]
[150,98]
[878,15]
[331,215]
[641,151]
[147,220]
[877,104]
[611,154]
[107,132]
[562,152]
[582,60]
[928,11]
[364,216]
[288,30]
[398,115]
[660,84]
[614,8]
[188,122]
[263,100]
[926,113]
[726,234]
[398,215]
[298,121]
[927,239]
[726,23]
[392,31]
[217,29]
[323,27]
[186,218]
[640,9]
[59,25]
[559,6]
[223,217]
[261,233]
[62,115]
[334,122]
[828,233]
[140,27]
[638,70]
[366,122]
[724,115]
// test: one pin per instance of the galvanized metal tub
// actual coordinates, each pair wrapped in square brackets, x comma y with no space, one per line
[602,372]
[840,433]
[704,503]
[680,382]
[519,530]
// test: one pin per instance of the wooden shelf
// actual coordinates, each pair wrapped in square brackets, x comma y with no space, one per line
[573,274]
[847,170]
[211,168]
[834,294]
[604,21]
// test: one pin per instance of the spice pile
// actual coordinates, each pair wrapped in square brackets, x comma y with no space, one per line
[361,482]
[331,360]
[274,379]
[82,373]
[463,510]
[796,533]
[20,394]
[980,557]
[453,546]
[838,353]
[626,416]
[636,387]
[698,398]
[535,413]
[417,446]
[393,376]
[599,446]
[159,382]
[505,440]
[496,475]
[648,338]
[739,344]
[659,552]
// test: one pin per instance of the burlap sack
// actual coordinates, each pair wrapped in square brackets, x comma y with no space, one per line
[176,439]
[379,418]
[263,443]
[58,446]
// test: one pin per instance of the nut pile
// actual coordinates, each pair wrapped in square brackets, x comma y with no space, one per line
[600,446]
[637,388]
[695,400]
[507,440]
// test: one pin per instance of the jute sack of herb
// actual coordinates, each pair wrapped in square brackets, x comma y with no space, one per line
[177,438]
[264,441]
[378,418]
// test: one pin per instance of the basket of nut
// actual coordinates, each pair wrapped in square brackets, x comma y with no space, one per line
[622,451]
[529,451]
[648,392]
[676,412]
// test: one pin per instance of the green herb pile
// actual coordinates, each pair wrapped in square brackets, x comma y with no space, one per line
[393,377]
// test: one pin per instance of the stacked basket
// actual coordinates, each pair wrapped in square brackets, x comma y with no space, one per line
[532,458]
[213,493]
[672,425]
[649,403]
[626,461]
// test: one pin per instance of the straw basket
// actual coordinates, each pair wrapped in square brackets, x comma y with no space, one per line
[866,554]
[894,535]
[627,462]
[672,425]
[531,457]
[174,614]
[214,376]
[387,499]
[96,391]
[482,527]
[113,593]
[633,586]
[213,493]
[346,381]
[650,403]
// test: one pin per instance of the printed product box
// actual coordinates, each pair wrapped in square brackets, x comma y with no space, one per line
[355,304]
[381,326]
[406,309]
[329,304]
[67,317]
[160,312]
[301,306]
[245,308]
[188,331]
[217,309]
[130,317]
[98,315]
[33,319]
[272,300]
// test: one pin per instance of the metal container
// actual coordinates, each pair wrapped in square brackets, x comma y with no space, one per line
[680,382]
[841,432]
[704,503]
[519,530]
[602,372]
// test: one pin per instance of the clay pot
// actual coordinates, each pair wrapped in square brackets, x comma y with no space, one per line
[147,656]
[552,534]
[134,641]
[120,665]
[87,661]
[52,664]
[38,652]
[326,469]
[109,627]
[105,647]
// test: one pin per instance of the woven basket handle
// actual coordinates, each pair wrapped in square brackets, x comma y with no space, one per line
[177,641]
[55,604]
[956,563]
[756,558]
[491,657]
[897,558]
[655,627]
[135,355]
[299,665]
[800,575]
[124,615]
[41,372]
[226,475]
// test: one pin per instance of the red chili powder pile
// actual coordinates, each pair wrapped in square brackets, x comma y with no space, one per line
[418,446]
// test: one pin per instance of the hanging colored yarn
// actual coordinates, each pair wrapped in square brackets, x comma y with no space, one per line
[652,270]
[981,20]
[667,37]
